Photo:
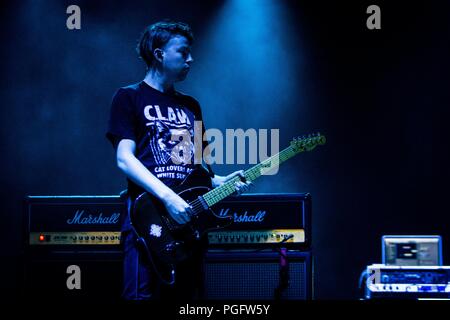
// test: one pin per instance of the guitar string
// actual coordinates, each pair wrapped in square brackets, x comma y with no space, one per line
[216,195]
[253,173]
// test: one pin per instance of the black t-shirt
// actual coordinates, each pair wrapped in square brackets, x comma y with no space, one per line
[162,126]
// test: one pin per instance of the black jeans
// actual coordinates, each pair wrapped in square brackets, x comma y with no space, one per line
[141,282]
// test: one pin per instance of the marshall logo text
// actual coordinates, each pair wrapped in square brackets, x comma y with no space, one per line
[81,218]
[244,217]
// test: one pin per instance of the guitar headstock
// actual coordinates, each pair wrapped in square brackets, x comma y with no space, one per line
[307,143]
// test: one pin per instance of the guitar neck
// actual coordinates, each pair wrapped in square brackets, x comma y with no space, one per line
[214,196]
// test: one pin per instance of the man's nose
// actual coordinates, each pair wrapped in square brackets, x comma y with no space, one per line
[189,59]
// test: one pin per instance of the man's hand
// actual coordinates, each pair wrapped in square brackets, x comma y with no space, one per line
[241,185]
[178,209]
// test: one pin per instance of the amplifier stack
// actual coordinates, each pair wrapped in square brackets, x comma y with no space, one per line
[264,254]
[72,247]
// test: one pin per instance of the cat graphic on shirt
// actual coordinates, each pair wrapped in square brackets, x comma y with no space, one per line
[179,150]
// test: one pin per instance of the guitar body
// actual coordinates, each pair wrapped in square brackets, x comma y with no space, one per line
[164,238]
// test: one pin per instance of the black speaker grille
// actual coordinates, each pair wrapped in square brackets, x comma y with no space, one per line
[255,278]
[100,279]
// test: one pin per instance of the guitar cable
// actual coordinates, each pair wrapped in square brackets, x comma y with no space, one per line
[142,243]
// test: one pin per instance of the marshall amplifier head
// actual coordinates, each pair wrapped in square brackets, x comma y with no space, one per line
[264,219]
[68,221]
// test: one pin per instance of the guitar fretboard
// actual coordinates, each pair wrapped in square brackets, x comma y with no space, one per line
[214,196]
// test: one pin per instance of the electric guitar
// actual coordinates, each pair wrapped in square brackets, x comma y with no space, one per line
[170,242]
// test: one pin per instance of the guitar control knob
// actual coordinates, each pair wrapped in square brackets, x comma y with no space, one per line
[172,247]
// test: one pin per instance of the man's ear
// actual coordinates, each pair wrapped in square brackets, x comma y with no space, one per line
[158,54]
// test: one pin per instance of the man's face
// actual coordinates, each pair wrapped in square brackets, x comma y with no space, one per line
[177,58]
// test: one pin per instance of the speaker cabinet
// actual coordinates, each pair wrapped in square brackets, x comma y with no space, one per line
[76,276]
[258,275]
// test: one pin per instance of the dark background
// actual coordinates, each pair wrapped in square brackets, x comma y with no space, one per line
[381,97]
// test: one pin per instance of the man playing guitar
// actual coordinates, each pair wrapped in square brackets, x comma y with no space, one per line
[144,119]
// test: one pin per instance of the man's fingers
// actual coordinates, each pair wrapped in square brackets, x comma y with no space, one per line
[241,187]
[179,219]
[239,173]
[189,211]
[187,214]
[184,216]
